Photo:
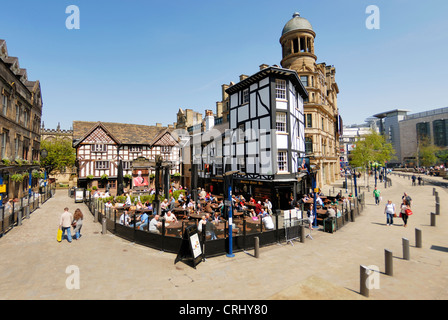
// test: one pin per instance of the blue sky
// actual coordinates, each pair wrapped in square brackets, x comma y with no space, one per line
[140,61]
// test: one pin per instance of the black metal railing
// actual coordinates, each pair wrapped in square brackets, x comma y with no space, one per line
[13,213]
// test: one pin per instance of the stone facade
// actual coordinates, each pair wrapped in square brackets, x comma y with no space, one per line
[322,121]
[20,118]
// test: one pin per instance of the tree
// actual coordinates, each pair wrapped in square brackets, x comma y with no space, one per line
[60,155]
[371,148]
[427,153]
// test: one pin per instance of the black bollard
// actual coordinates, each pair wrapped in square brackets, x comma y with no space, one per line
[257,247]
[302,234]
[418,238]
[406,254]
[389,262]
[103,222]
[364,276]
[433,219]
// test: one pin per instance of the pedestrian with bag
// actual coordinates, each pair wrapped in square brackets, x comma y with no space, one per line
[77,223]
[405,211]
[389,210]
[65,224]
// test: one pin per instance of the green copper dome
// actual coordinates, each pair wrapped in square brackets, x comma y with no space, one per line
[297,23]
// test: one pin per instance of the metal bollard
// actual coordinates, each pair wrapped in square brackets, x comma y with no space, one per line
[19,217]
[257,247]
[364,289]
[96,215]
[418,238]
[406,254]
[302,234]
[389,262]
[437,208]
[104,231]
[433,219]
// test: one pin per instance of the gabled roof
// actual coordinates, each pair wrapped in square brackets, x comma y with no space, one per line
[275,71]
[122,133]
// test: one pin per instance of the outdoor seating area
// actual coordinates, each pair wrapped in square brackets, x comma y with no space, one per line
[138,222]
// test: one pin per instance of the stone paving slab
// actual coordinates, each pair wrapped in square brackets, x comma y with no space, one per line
[34,264]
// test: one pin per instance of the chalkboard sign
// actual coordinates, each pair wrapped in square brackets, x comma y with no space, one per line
[190,248]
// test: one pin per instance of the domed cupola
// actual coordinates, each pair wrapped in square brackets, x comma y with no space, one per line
[297,42]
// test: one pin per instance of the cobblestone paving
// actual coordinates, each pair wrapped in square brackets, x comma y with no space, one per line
[33,264]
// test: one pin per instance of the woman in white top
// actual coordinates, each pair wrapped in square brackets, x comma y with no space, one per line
[389,210]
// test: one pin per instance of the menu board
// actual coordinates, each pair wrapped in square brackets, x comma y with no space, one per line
[190,248]
[79,195]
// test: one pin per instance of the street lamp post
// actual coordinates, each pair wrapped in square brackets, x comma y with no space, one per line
[228,176]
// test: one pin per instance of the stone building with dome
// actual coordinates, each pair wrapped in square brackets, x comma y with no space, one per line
[323,125]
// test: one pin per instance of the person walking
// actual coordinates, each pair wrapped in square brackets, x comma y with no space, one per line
[376,194]
[404,215]
[389,210]
[77,223]
[65,224]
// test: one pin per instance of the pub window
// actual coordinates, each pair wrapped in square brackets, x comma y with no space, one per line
[241,133]
[280,89]
[126,165]
[99,148]
[281,161]
[309,120]
[281,122]
[304,80]
[101,165]
[308,145]
[5,138]
[5,104]
[17,113]
[245,96]
[135,149]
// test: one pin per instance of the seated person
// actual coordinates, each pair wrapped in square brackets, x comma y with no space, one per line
[155,224]
[208,207]
[268,222]
[258,208]
[216,217]
[331,213]
[144,218]
[169,217]
[124,218]
[205,224]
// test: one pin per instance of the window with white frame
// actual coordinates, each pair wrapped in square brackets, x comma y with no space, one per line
[5,104]
[101,165]
[99,148]
[126,165]
[280,89]
[282,161]
[135,149]
[245,96]
[280,122]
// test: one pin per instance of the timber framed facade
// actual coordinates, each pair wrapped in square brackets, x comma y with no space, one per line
[101,145]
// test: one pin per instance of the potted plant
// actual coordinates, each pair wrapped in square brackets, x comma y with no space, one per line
[17,177]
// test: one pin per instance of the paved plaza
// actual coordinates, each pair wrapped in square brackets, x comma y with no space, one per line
[34,265]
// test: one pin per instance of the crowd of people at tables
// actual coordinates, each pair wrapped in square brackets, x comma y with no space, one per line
[209,207]
[330,205]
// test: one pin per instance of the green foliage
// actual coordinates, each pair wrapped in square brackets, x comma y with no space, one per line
[371,148]
[427,153]
[17,177]
[60,155]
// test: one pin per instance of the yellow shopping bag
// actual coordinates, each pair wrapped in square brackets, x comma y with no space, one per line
[59,237]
